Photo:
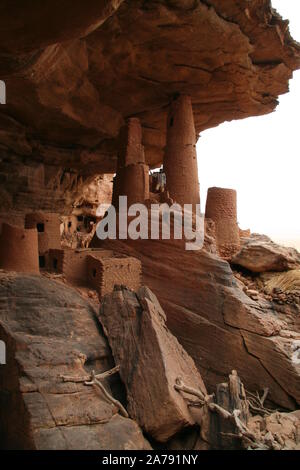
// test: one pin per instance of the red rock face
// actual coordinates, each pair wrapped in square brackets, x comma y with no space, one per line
[74,72]
[151,359]
[216,322]
[54,334]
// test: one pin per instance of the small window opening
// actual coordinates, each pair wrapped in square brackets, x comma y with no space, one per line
[40,227]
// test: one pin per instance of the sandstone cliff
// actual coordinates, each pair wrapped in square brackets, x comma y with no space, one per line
[90,65]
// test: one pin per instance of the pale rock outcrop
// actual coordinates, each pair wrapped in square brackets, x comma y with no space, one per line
[259,254]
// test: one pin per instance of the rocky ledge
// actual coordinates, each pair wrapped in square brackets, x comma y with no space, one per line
[91,65]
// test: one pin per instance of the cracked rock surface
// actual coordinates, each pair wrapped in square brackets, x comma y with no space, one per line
[49,330]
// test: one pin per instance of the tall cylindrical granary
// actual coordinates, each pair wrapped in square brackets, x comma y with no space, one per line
[180,159]
[19,249]
[221,207]
[132,177]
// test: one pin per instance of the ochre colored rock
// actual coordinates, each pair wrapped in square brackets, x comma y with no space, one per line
[49,331]
[86,69]
[150,359]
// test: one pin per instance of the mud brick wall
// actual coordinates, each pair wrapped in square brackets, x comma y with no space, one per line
[221,207]
[19,249]
[48,227]
[131,150]
[73,263]
[180,159]
[132,178]
[105,273]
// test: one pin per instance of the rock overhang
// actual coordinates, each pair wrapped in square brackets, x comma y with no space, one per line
[74,73]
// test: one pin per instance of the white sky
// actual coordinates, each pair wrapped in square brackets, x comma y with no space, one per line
[259,157]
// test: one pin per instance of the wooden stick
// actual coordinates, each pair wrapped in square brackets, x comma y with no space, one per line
[115,402]
[94,379]
[180,386]
[86,378]
[263,398]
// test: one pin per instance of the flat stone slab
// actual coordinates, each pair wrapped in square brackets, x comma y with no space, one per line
[150,359]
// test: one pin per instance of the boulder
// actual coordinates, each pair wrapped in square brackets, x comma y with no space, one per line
[50,330]
[151,360]
[259,254]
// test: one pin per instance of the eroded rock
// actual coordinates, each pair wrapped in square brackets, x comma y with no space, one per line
[150,359]
[259,254]
[88,66]
[49,331]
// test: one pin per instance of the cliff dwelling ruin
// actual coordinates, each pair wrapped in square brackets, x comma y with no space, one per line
[139,344]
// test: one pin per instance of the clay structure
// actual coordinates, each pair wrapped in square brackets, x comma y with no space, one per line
[48,228]
[73,263]
[99,269]
[132,178]
[105,273]
[180,160]
[221,207]
[19,249]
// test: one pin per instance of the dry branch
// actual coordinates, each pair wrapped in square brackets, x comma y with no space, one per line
[94,379]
